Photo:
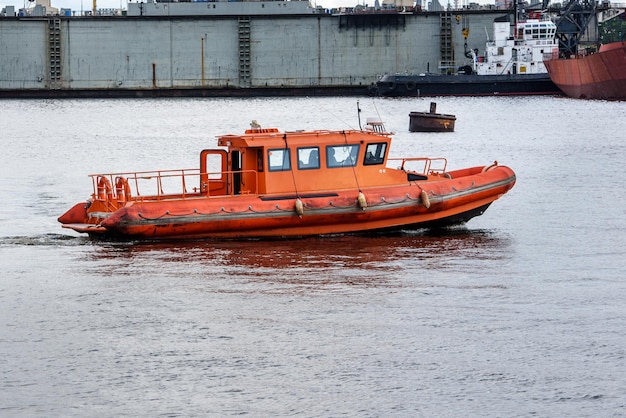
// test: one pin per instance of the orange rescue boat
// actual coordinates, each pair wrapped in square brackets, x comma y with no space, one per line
[267,183]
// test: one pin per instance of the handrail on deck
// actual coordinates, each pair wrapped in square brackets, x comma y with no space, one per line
[429,164]
[133,179]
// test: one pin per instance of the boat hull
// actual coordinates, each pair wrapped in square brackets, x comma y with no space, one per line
[598,76]
[444,201]
[464,85]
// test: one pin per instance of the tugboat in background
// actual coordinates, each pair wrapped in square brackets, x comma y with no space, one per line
[511,65]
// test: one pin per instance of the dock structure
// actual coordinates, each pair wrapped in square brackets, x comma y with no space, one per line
[310,52]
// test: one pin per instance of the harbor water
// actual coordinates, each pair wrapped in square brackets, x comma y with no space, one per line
[518,313]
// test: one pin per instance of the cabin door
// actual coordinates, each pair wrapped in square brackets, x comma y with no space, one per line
[213,172]
[235,157]
[246,166]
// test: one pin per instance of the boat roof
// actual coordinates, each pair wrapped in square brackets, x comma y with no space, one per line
[272,137]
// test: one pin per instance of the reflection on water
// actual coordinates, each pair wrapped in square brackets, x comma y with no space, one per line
[365,252]
[323,263]
[337,251]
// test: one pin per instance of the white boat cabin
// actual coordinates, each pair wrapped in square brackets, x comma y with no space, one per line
[522,53]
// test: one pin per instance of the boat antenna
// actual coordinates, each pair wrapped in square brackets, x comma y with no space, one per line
[293,177]
[380,118]
[358,112]
[356,178]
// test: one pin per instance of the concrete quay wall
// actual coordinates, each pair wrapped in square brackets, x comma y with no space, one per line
[221,52]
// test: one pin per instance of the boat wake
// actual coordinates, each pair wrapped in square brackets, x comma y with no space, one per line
[44,240]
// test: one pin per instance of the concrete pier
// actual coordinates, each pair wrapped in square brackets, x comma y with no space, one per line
[311,54]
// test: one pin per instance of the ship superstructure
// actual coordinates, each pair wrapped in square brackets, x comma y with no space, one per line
[520,53]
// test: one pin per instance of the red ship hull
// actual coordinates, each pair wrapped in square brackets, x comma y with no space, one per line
[598,76]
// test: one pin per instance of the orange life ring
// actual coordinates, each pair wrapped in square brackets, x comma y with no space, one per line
[122,189]
[105,191]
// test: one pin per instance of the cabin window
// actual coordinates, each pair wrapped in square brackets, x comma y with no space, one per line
[278,159]
[214,163]
[375,153]
[308,158]
[342,155]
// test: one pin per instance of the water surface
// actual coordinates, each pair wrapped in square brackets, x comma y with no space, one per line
[518,313]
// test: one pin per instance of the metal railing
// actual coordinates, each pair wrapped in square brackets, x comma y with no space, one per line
[422,165]
[164,184]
